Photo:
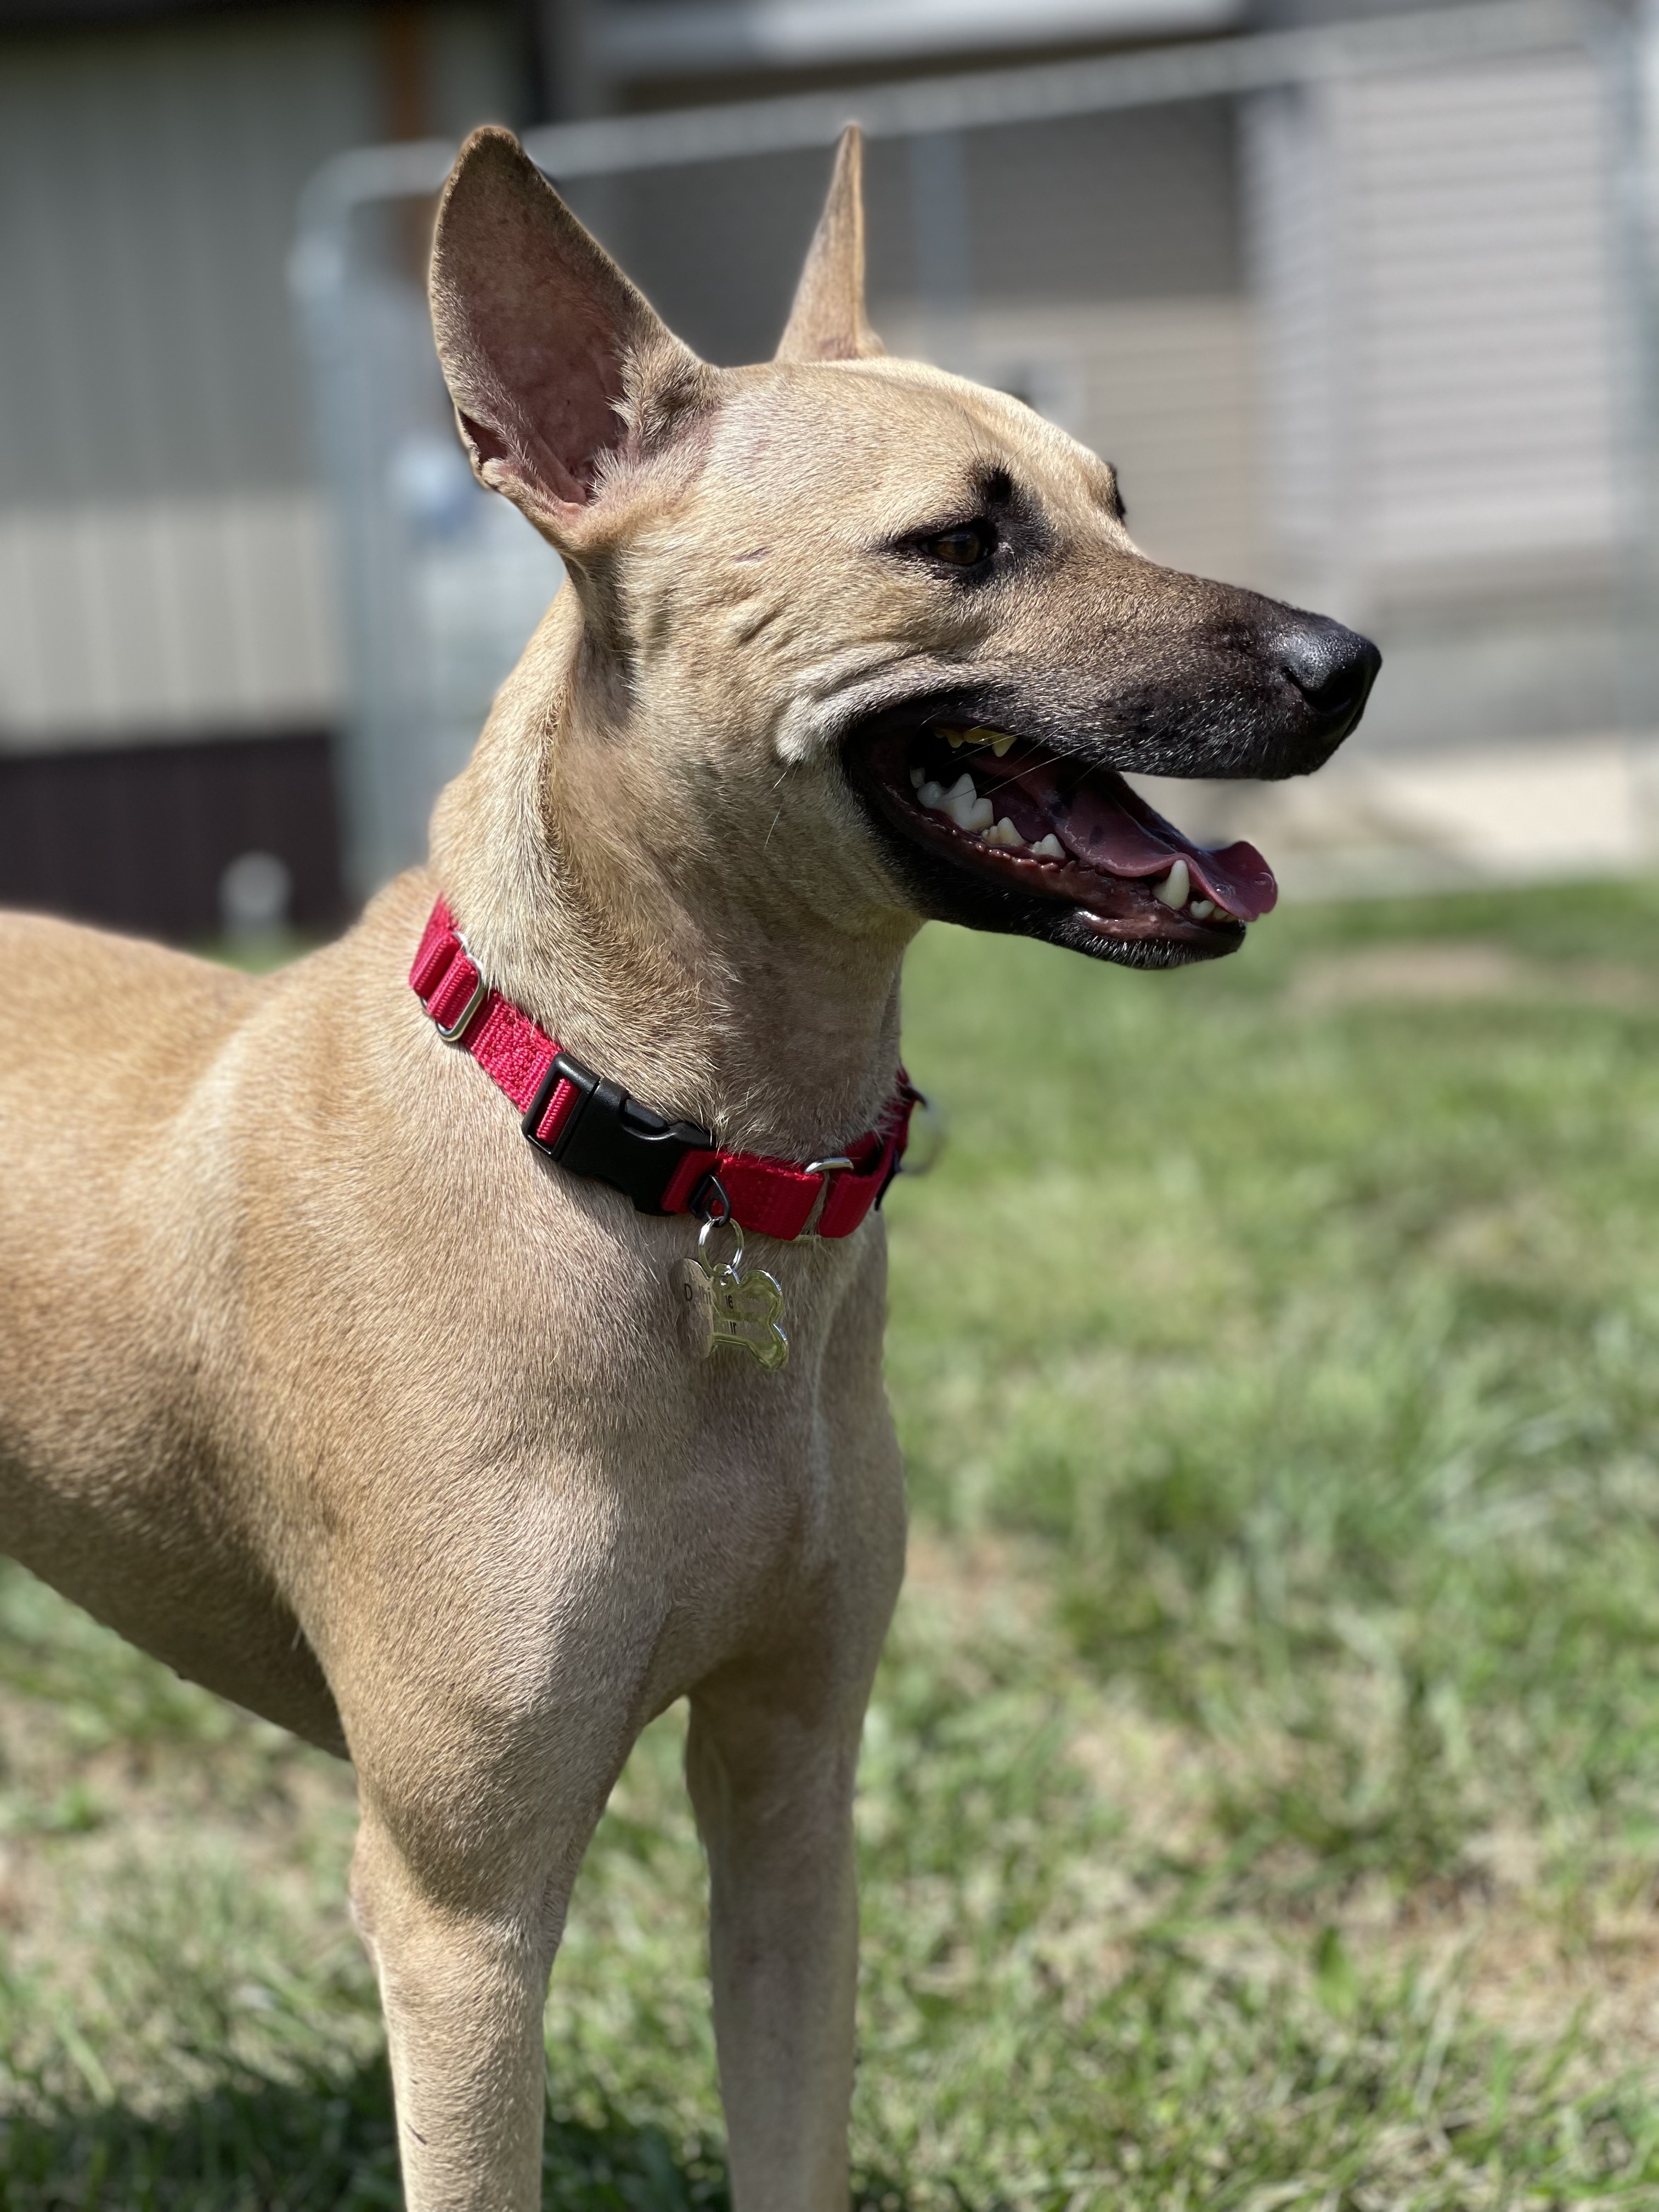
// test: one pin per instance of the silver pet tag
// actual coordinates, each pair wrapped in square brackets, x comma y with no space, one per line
[748,1311]
[720,1304]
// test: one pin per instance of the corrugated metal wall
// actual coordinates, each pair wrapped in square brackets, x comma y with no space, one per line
[164,565]
[1437,253]
[123,617]
[1455,457]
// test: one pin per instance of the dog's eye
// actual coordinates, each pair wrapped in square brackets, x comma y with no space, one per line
[965,547]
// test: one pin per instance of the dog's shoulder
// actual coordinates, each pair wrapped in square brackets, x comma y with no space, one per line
[145,1015]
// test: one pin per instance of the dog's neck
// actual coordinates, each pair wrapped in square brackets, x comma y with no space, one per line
[696,978]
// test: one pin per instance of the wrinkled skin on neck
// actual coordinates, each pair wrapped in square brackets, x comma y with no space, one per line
[644,877]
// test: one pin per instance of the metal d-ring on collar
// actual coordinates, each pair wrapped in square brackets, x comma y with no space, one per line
[715,1188]
[457,1029]
[837,1164]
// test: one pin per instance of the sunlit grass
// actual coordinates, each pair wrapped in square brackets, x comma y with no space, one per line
[1261,1794]
[1326,1343]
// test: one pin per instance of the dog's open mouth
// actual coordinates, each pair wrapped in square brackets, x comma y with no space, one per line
[1028,821]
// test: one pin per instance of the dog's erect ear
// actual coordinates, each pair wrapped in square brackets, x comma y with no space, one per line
[558,367]
[827,320]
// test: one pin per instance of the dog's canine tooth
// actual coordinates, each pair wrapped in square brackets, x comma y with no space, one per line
[1201,909]
[1175,887]
[1004,833]
[1049,848]
[961,803]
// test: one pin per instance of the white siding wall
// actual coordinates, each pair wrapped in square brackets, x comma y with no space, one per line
[1164,389]
[172,616]
[163,564]
[1437,259]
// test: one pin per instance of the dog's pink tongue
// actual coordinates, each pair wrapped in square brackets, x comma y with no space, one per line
[1108,826]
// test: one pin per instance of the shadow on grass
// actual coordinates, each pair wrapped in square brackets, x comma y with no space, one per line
[262,2145]
[327,2145]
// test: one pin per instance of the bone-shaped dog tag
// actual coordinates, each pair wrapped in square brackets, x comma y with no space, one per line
[721,1306]
[748,1311]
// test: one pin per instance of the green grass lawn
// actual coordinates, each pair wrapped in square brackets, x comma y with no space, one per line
[1261,1801]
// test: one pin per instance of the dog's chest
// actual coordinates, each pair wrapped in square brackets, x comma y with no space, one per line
[718,1496]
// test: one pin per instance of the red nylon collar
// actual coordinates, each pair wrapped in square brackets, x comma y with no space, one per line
[591,1126]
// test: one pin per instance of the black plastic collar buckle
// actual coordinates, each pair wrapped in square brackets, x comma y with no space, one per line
[612,1137]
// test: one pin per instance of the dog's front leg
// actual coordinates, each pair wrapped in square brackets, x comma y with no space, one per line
[772,1785]
[462,1985]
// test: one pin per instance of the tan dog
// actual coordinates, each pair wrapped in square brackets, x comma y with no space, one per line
[320,1382]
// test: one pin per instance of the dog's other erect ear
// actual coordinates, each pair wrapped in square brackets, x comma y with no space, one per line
[559,368]
[827,320]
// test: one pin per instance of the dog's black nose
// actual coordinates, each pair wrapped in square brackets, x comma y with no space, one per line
[1333,668]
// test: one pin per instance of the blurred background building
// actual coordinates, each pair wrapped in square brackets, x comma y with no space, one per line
[1358,298]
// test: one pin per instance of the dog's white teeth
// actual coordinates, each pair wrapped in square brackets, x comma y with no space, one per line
[1175,886]
[971,813]
[1004,833]
[918,777]
[966,808]
[1049,848]
[962,803]
[1201,909]
[1001,741]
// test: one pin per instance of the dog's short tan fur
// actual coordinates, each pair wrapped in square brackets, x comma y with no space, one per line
[318,1381]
